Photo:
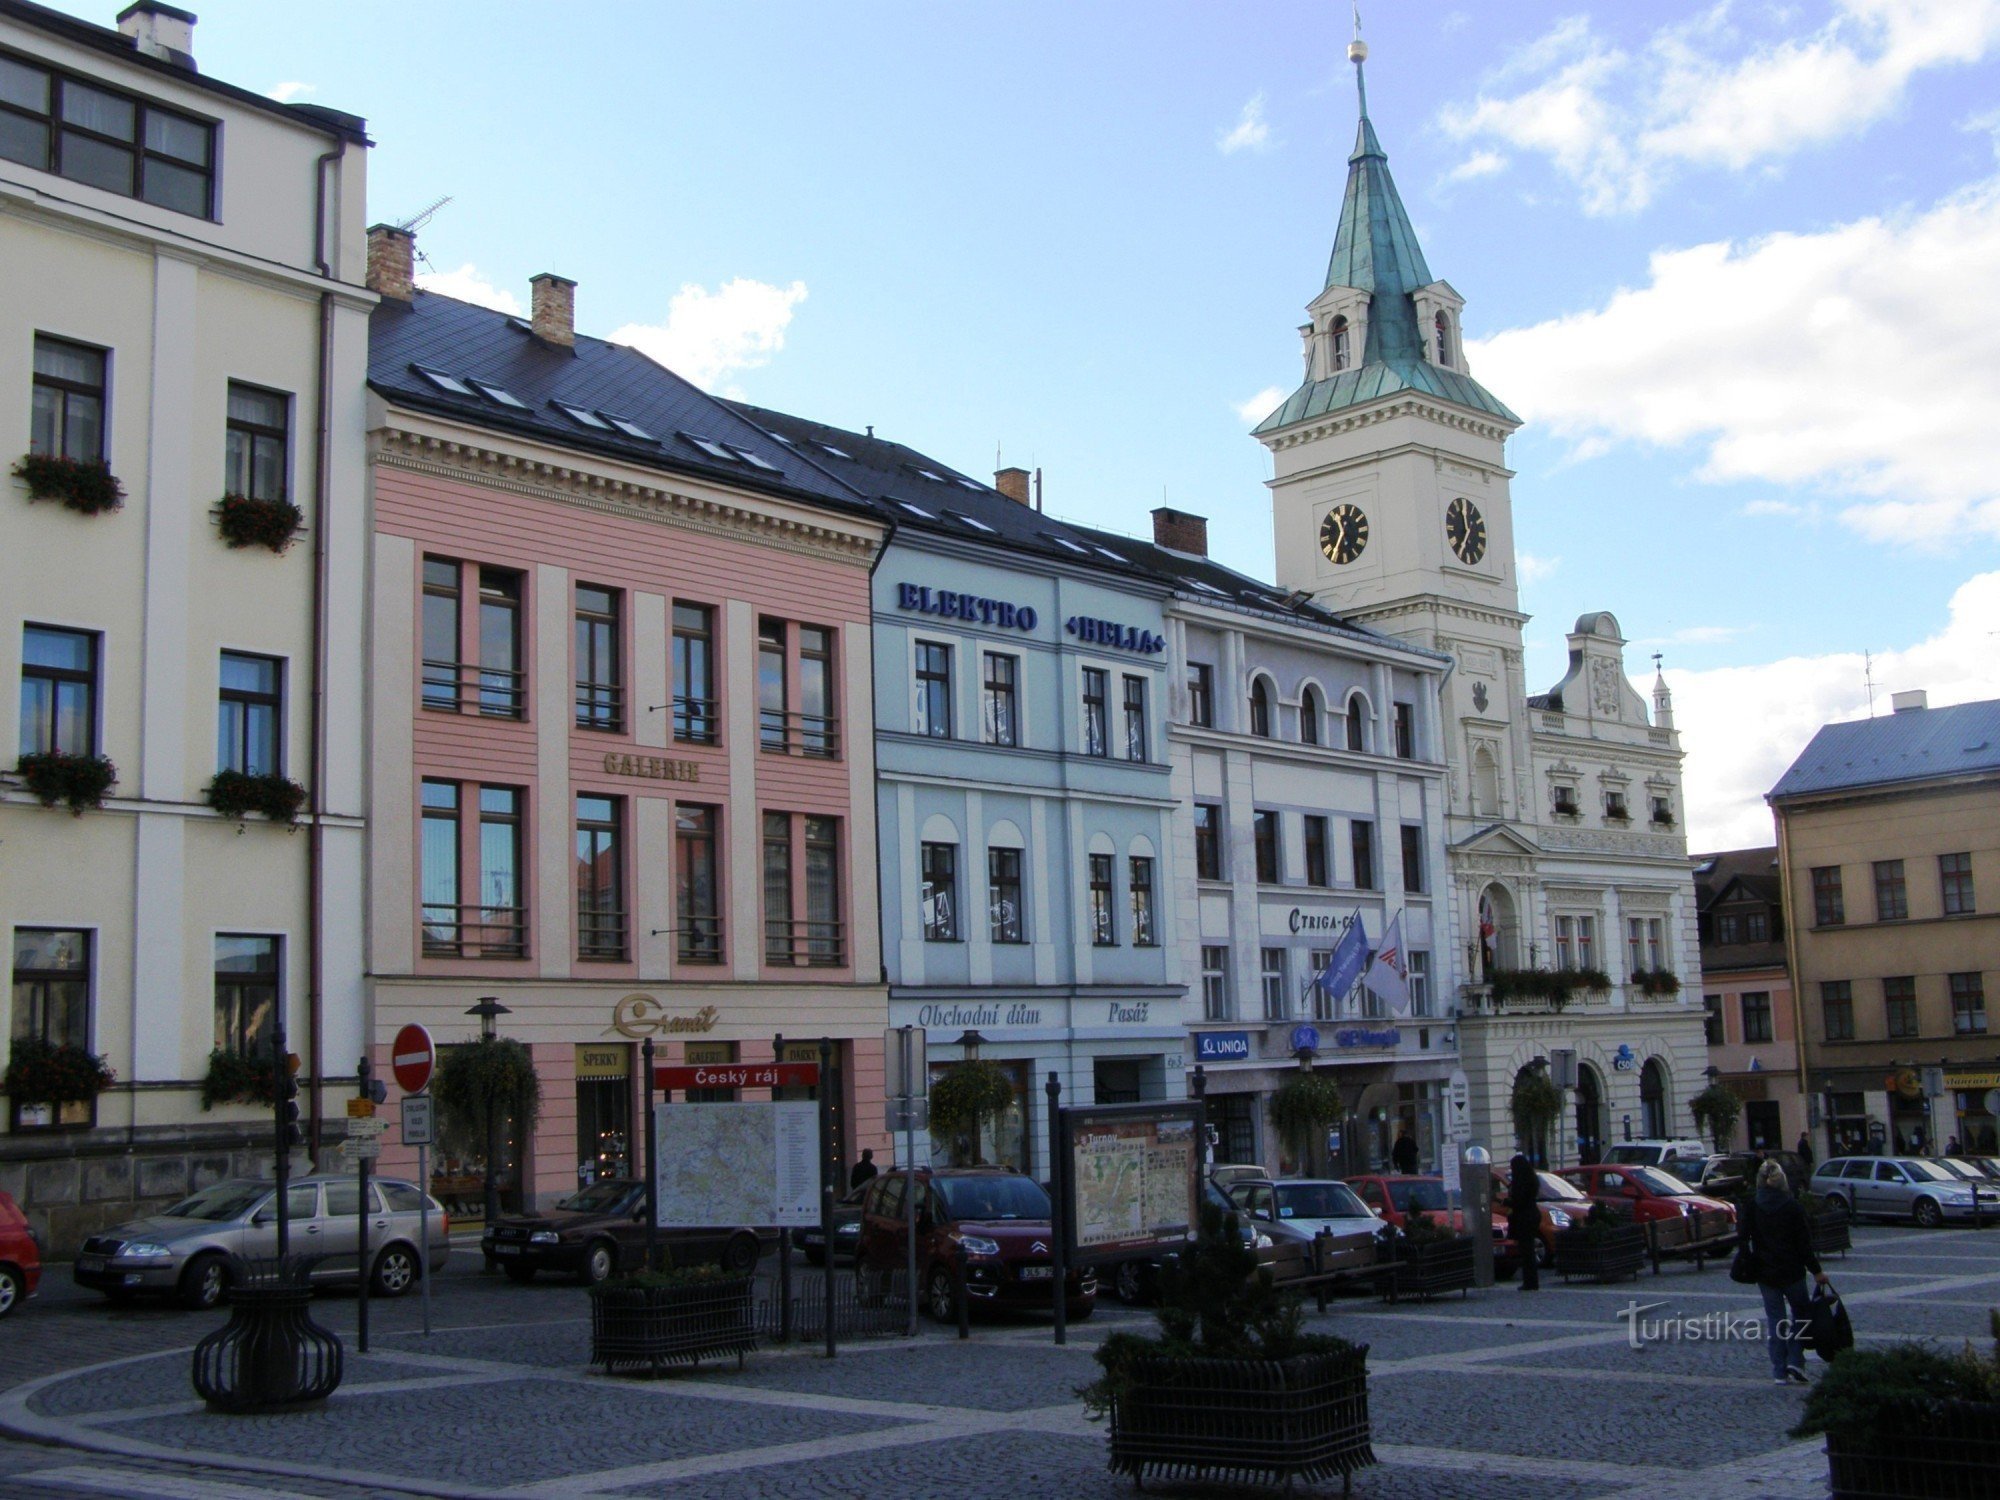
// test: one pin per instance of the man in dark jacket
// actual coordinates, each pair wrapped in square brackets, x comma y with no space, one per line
[1805,1150]
[1524,1219]
[1404,1153]
[1776,1230]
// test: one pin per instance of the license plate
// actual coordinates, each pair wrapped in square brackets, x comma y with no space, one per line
[90,1262]
[1038,1273]
[506,1249]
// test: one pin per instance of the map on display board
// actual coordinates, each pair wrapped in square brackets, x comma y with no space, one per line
[737,1164]
[1132,1178]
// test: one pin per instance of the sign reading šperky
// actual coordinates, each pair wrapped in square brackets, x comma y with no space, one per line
[974,609]
[1094,632]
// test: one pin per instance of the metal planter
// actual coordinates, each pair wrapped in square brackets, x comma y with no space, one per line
[1831,1230]
[1955,1456]
[270,1355]
[1428,1269]
[644,1330]
[1614,1254]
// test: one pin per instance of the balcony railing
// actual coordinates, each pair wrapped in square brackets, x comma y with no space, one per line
[475,931]
[700,940]
[818,944]
[600,706]
[454,686]
[697,721]
[601,934]
[784,732]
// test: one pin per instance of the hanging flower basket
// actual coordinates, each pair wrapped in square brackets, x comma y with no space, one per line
[86,486]
[245,522]
[233,1078]
[968,1095]
[78,780]
[1656,982]
[54,1084]
[235,794]
[1303,1107]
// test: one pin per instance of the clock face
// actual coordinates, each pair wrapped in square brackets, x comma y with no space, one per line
[1343,534]
[1465,529]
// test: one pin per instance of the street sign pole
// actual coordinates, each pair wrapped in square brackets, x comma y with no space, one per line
[908,1040]
[827,1169]
[424,1228]
[365,1092]
[1058,1217]
[281,1166]
[652,1168]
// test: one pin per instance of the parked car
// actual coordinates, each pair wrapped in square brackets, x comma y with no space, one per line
[601,1230]
[1283,1253]
[846,1231]
[1394,1199]
[1901,1187]
[184,1250]
[1000,1217]
[1990,1165]
[1658,1152]
[1307,1206]
[1731,1174]
[1649,1193]
[1563,1206]
[20,1256]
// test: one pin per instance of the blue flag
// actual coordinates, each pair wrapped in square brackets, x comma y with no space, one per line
[1350,957]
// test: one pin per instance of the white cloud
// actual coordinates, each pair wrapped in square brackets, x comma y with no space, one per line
[709,336]
[1532,569]
[469,284]
[1742,726]
[1479,164]
[1260,405]
[288,93]
[1251,132]
[1619,123]
[1754,354]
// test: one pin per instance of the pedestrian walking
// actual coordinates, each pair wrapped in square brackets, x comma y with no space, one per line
[1524,1220]
[1404,1153]
[1780,1241]
[865,1170]
[1805,1150]
[1951,1147]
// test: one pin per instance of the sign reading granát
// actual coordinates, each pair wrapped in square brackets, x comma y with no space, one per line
[640,1015]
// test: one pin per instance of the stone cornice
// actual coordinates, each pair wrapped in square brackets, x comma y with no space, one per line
[1439,605]
[1407,405]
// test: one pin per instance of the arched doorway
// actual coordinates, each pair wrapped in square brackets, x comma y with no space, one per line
[1589,1115]
[1497,929]
[1655,1123]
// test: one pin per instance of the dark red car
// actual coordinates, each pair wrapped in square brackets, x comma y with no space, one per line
[1002,1220]
[20,1257]
[1650,1193]
[1394,1198]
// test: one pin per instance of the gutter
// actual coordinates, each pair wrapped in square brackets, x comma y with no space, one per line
[316,732]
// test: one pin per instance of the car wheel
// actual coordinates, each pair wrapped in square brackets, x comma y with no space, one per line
[1077,1312]
[600,1259]
[395,1271]
[11,1290]
[1839,1201]
[739,1256]
[1927,1213]
[519,1274]
[940,1296]
[1129,1282]
[204,1283]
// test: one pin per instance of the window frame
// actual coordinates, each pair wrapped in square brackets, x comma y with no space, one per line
[1318,851]
[1829,897]
[599,940]
[774,642]
[1892,892]
[1095,725]
[1137,736]
[1000,698]
[932,675]
[254,434]
[1141,899]
[88,678]
[1361,848]
[1004,880]
[1215,999]
[84,973]
[1403,717]
[1955,888]
[937,874]
[1273,982]
[1712,1024]
[697,717]
[1899,1007]
[1201,695]
[230,1034]
[141,153]
[1968,1002]
[1413,858]
[1208,864]
[1101,870]
[236,756]
[503,690]
[1310,713]
[1268,840]
[66,389]
[1260,708]
[598,631]
[1756,1018]
[1836,997]
[699,932]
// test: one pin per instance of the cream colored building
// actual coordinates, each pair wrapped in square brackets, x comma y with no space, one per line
[186,265]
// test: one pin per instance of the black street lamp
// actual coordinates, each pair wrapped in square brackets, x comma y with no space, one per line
[490,1010]
[969,1043]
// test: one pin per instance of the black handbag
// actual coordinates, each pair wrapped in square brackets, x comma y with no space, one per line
[1743,1266]
[1832,1330]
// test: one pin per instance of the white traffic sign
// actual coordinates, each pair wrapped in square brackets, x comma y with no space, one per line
[361,1147]
[1453,1182]
[1458,1107]
[373,1125]
[419,1120]
[906,1054]
[900,1115]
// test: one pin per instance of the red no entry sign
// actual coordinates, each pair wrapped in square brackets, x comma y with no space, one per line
[412,1058]
[738,1076]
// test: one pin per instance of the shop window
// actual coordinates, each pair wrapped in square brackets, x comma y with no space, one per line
[1118,1080]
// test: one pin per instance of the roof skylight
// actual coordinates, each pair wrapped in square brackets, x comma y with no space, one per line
[1206,588]
[501,394]
[976,525]
[444,382]
[756,460]
[627,426]
[916,510]
[582,417]
[929,474]
[1107,552]
[836,452]
[712,448]
[1065,542]
[972,484]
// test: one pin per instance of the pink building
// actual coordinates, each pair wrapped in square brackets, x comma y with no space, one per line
[622,774]
[1747,995]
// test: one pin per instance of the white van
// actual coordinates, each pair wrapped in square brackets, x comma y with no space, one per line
[1658,1153]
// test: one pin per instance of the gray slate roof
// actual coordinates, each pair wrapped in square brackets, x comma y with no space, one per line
[1919,744]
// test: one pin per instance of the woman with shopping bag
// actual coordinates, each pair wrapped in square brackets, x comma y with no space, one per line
[1779,1238]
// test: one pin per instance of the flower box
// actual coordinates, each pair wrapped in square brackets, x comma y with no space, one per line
[86,486]
[245,522]
[53,1086]
[1955,1456]
[1613,1253]
[639,1327]
[57,776]
[236,794]
[1426,1268]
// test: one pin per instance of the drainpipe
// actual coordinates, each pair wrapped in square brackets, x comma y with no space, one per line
[316,733]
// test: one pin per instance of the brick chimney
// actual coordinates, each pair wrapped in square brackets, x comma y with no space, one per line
[160,31]
[1180,530]
[554,308]
[1013,483]
[392,262]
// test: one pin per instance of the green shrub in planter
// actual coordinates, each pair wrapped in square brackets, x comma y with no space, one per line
[647,1321]
[245,522]
[86,486]
[237,794]
[233,1078]
[57,776]
[41,1072]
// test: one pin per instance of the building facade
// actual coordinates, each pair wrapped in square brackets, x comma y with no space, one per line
[1392,507]
[1746,994]
[197,329]
[621,696]
[1889,849]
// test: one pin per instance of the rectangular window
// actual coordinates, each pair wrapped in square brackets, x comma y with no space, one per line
[1663,813]
[1322,999]
[696,721]
[1899,1000]
[1615,809]
[933,702]
[1576,942]
[1319,870]
[1829,907]
[1968,1004]
[999,699]
[249,720]
[819,715]
[1756,1016]
[940,893]
[503,915]
[1362,837]
[600,696]
[600,878]
[1201,695]
[1656,949]
[697,891]
[777,888]
[1135,718]
[1413,858]
[1096,732]
[1728,929]
[1207,841]
[58,691]
[1586,942]
[1955,879]
[773,691]
[1711,1019]
[68,408]
[1144,933]
[52,986]
[1565,943]
[1214,982]
[1271,975]
[1103,899]
[257,444]
[1836,1008]
[56,123]
[439,858]
[246,994]
[1756,927]
[826,929]
[1420,982]
[502,683]
[1264,833]
[1406,731]
[1003,896]
[441,644]
[1892,901]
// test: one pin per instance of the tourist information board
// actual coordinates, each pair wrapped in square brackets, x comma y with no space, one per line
[752,1165]
[1131,1179]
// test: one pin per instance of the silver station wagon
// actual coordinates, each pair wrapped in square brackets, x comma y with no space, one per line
[1902,1187]
[184,1251]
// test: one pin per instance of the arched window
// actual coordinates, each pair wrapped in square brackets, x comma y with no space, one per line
[1357,733]
[1443,321]
[1341,356]
[1260,709]
[1309,717]
[1653,1100]
[1589,1115]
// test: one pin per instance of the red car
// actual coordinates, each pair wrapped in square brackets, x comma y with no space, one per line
[1395,1198]
[1650,1193]
[1562,1204]
[20,1257]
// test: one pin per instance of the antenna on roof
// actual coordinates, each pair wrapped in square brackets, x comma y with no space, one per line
[1868,677]
[423,215]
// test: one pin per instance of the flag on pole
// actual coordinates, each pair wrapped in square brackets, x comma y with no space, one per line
[1350,957]
[1389,969]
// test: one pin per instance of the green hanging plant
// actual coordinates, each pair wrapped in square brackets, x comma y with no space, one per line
[233,1078]
[86,485]
[237,794]
[968,1096]
[1303,1106]
[1715,1110]
[245,522]
[1656,982]
[57,776]
[495,1072]
[1535,1104]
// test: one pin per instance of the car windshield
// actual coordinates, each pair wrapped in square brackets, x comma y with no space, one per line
[1928,1171]
[1654,1180]
[1687,1168]
[599,1198]
[993,1197]
[1319,1200]
[1423,1196]
[1646,1154]
[224,1201]
[1554,1189]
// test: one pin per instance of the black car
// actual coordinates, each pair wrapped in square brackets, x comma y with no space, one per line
[601,1231]
[846,1231]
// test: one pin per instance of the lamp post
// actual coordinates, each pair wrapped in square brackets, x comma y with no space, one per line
[969,1043]
[489,1010]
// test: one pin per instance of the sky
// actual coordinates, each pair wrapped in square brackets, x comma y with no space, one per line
[1731,260]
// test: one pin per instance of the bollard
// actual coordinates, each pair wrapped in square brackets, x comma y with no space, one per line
[964,1295]
[1476,1183]
[785,1285]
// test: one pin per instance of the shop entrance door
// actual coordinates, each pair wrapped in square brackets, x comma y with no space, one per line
[603,1112]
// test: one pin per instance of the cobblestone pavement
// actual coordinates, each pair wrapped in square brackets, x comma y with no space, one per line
[1495,1394]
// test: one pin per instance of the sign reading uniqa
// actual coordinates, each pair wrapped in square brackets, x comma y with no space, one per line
[972,608]
[1221,1046]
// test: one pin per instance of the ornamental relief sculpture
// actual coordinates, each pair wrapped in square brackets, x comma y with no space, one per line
[1604,694]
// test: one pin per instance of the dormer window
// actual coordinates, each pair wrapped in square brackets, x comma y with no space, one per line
[1340,344]
[1443,323]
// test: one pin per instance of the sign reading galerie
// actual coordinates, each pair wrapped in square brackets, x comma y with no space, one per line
[652,767]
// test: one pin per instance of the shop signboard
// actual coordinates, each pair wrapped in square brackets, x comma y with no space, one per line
[1221,1046]
[1458,1109]
[1131,1179]
[755,1165]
